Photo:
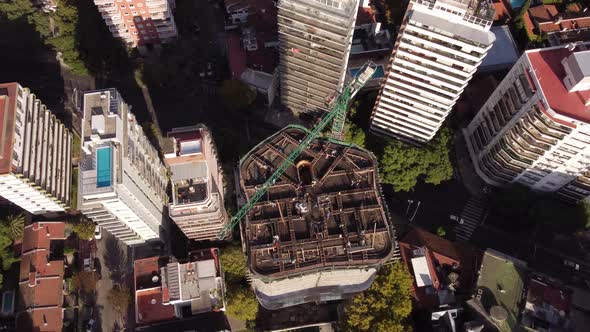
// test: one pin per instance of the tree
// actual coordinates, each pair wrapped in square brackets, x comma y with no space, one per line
[440,231]
[385,306]
[86,280]
[120,297]
[402,165]
[6,241]
[242,304]
[233,263]
[84,228]
[16,226]
[237,95]
[354,135]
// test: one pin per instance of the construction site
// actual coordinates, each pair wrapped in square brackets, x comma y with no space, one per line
[321,231]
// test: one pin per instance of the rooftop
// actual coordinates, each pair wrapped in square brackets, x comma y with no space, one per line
[324,212]
[100,110]
[500,283]
[7,114]
[550,73]
[549,19]
[501,10]
[483,9]
[503,53]
[548,302]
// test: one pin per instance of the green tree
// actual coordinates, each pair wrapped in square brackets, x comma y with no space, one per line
[16,226]
[84,228]
[440,231]
[233,263]
[385,306]
[119,297]
[354,134]
[6,241]
[86,280]
[242,304]
[402,165]
[237,95]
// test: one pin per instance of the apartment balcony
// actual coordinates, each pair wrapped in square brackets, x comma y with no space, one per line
[417,65]
[103,2]
[305,43]
[315,36]
[428,77]
[442,91]
[324,67]
[468,67]
[315,18]
[292,45]
[454,43]
[325,78]
[433,64]
[409,119]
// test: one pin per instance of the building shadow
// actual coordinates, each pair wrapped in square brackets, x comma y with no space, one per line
[114,259]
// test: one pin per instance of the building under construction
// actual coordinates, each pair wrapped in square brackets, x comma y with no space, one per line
[321,231]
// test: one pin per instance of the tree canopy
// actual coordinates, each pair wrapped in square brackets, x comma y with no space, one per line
[119,297]
[385,306]
[84,228]
[241,301]
[402,165]
[242,304]
[237,95]
[11,229]
[233,262]
[86,280]
[354,134]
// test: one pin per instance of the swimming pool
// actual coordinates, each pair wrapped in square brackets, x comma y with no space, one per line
[515,4]
[103,167]
[7,302]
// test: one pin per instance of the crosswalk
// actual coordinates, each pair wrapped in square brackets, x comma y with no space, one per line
[472,215]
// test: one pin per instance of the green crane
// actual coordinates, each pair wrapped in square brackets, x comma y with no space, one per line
[337,107]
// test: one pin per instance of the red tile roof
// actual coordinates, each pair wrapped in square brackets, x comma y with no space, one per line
[549,73]
[529,25]
[7,118]
[41,280]
[150,308]
[237,55]
[502,12]
[541,294]
[365,15]
[546,18]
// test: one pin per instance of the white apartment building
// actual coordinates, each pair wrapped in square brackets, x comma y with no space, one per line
[122,181]
[140,23]
[534,129]
[35,150]
[315,38]
[438,49]
[197,204]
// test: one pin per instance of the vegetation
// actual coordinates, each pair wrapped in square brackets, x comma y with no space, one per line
[440,231]
[241,301]
[86,280]
[74,189]
[16,226]
[11,229]
[237,95]
[119,297]
[354,134]
[402,165]
[385,306]
[519,209]
[84,228]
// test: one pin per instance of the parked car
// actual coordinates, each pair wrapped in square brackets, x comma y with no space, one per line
[87,264]
[457,219]
[196,27]
[90,325]
[571,264]
[97,233]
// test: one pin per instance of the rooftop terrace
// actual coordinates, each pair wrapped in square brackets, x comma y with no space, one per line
[325,211]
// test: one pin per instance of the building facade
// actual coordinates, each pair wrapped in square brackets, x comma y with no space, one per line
[140,23]
[122,181]
[197,204]
[438,49]
[534,129]
[315,38]
[35,168]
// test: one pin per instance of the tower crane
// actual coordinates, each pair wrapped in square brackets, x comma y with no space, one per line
[337,105]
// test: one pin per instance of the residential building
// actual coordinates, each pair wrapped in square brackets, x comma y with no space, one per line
[168,290]
[41,278]
[548,306]
[535,128]
[36,150]
[197,204]
[252,42]
[315,42]
[503,54]
[438,49]
[444,273]
[559,27]
[139,23]
[498,298]
[321,231]
[502,9]
[122,181]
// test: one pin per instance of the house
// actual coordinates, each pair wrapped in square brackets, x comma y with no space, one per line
[548,306]
[565,27]
[169,290]
[41,278]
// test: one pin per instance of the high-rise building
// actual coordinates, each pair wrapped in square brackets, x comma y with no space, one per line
[438,49]
[35,149]
[315,40]
[535,127]
[322,230]
[140,23]
[122,181]
[197,204]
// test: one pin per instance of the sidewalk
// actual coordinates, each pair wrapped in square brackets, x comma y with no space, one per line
[469,177]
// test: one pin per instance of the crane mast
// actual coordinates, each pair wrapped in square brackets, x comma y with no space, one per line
[337,106]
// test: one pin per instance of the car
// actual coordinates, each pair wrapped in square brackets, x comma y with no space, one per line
[209,69]
[571,264]
[90,325]
[457,219]
[87,264]
[196,27]
[97,233]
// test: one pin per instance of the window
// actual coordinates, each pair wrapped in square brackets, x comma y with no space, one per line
[126,14]
[148,24]
[129,20]
[140,26]
[131,6]
[134,13]
[132,26]
[134,32]
[122,6]
[137,19]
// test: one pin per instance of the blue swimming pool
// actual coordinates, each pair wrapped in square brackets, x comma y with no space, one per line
[515,4]
[103,167]
[7,302]
[379,72]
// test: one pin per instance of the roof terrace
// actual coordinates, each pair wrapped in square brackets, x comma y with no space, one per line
[326,210]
